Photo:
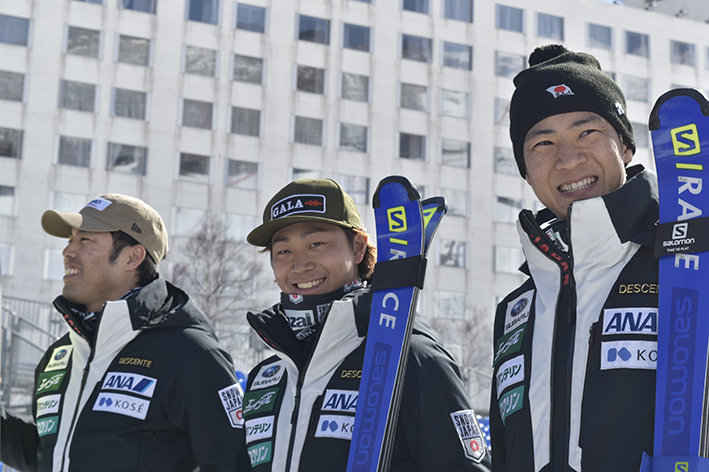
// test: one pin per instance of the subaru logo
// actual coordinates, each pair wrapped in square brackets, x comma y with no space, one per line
[519,307]
[60,355]
[271,371]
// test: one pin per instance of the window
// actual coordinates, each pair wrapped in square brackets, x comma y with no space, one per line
[508,259]
[600,36]
[316,30]
[637,44]
[455,104]
[6,258]
[188,221]
[237,227]
[451,253]
[637,88]
[419,6]
[550,26]
[355,186]
[251,18]
[98,2]
[196,114]
[245,121]
[77,96]
[508,65]
[147,6]
[83,42]
[458,56]
[310,79]
[682,53]
[12,86]
[461,10]
[450,304]
[642,135]
[353,137]
[306,174]
[201,61]
[412,146]
[505,161]
[53,264]
[455,153]
[74,151]
[457,201]
[194,168]
[241,174]
[507,209]
[7,200]
[509,18]
[14,30]
[204,11]
[129,104]
[133,50]
[308,131]
[355,37]
[355,87]
[415,48]
[502,112]
[63,201]
[248,69]
[413,97]
[11,143]
[126,159]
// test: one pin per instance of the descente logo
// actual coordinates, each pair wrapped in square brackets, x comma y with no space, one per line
[298,204]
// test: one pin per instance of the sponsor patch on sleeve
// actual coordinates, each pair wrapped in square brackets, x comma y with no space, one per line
[508,344]
[50,382]
[269,375]
[126,405]
[510,373]
[47,425]
[335,426]
[59,359]
[259,428]
[261,401]
[518,311]
[260,453]
[232,401]
[129,382]
[510,402]
[471,437]
[48,404]
[629,355]
[630,321]
[340,400]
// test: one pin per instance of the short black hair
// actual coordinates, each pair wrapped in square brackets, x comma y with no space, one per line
[147,270]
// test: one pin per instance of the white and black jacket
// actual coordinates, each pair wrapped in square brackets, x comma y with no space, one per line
[153,391]
[300,404]
[576,345]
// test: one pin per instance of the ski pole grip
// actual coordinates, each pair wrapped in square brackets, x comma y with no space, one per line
[407,272]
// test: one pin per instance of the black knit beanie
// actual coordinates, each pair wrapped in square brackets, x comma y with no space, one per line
[562,81]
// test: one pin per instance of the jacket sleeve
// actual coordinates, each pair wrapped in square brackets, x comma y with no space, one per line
[18,442]
[433,392]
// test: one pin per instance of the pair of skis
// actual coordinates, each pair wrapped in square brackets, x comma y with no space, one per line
[680,134]
[405,227]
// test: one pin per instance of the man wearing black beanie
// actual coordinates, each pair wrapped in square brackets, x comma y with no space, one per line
[575,347]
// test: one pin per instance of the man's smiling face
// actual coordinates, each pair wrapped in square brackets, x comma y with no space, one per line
[313,258]
[574,156]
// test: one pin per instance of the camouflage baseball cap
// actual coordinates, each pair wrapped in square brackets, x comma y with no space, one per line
[113,212]
[306,200]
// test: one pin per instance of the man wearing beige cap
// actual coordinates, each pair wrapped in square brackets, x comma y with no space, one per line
[139,382]
[300,404]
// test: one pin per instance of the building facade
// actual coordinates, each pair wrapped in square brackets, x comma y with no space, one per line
[208,107]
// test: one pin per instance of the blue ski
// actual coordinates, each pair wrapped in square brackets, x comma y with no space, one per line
[680,134]
[405,228]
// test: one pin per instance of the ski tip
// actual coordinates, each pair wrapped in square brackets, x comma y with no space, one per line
[440,202]
[411,191]
[654,122]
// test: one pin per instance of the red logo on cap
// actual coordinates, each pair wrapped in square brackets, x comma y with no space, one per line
[313,203]
[559,90]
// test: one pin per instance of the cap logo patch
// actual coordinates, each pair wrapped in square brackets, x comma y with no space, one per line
[558,90]
[136,228]
[619,107]
[99,204]
[298,204]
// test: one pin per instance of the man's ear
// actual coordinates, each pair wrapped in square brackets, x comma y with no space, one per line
[135,256]
[360,247]
[627,154]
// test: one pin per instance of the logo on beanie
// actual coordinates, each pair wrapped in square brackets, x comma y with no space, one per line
[558,90]
[619,107]
[298,204]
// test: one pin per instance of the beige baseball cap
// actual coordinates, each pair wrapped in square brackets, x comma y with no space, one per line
[113,212]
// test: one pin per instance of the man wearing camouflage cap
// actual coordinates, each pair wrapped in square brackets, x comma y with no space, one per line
[575,348]
[139,382]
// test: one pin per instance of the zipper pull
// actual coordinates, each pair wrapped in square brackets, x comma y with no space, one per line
[590,333]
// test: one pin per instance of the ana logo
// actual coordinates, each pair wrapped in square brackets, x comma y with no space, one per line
[49,382]
[471,437]
[130,383]
[630,321]
[232,400]
[679,230]
[340,400]
[335,426]
[685,140]
[260,402]
[558,90]
[295,298]
[59,359]
[259,428]
[619,107]
[122,404]
[99,204]
[298,204]
[269,375]
[629,355]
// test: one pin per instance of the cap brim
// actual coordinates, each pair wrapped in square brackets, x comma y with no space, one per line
[60,223]
[261,235]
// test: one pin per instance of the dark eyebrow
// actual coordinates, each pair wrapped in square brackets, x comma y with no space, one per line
[303,235]
[575,124]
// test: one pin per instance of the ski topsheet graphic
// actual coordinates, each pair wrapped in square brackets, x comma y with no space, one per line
[680,134]
[405,228]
